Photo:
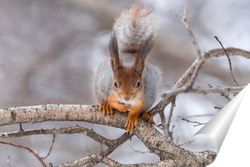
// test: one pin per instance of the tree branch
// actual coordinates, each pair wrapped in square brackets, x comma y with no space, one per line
[95,158]
[203,90]
[152,139]
[68,130]
[229,61]
[190,75]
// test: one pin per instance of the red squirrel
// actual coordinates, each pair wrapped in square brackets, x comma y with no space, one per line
[126,81]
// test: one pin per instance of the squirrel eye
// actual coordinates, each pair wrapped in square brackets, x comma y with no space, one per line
[138,84]
[115,84]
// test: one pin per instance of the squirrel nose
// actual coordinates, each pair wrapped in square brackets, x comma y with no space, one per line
[126,98]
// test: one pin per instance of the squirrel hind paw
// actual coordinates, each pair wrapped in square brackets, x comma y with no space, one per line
[106,108]
[147,117]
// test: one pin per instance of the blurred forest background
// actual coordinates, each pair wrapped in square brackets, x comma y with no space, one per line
[49,48]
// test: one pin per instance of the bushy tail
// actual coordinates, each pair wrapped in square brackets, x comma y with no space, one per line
[135,26]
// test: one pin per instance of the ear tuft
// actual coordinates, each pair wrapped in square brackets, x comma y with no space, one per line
[113,46]
[115,61]
[143,50]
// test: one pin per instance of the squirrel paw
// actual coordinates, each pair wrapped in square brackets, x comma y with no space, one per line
[130,123]
[106,108]
[147,117]
[124,107]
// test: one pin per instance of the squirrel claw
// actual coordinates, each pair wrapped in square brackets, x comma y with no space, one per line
[130,124]
[106,108]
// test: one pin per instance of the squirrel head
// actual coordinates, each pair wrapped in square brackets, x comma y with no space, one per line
[128,82]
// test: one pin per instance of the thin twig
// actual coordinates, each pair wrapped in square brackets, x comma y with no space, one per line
[192,116]
[8,160]
[101,148]
[20,127]
[196,122]
[229,61]
[163,122]
[203,90]
[68,130]
[142,152]
[185,11]
[222,94]
[171,133]
[191,35]
[26,148]
[188,142]
[53,141]
[168,134]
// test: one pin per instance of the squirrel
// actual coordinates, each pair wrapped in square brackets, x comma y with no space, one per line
[126,81]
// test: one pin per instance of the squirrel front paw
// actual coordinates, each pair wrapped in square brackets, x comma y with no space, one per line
[123,107]
[106,108]
[130,123]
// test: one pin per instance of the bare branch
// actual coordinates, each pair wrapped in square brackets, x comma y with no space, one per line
[185,11]
[191,35]
[83,161]
[203,90]
[98,159]
[50,149]
[116,143]
[94,159]
[229,61]
[196,122]
[112,144]
[152,139]
[192,72]
[54,131]
[188,142]
[26,148]
[211,53]
[163,122]
[8,160]
[142,152]
[168,134]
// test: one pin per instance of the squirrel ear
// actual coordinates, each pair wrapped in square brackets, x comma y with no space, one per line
[142,52]
[115,61]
